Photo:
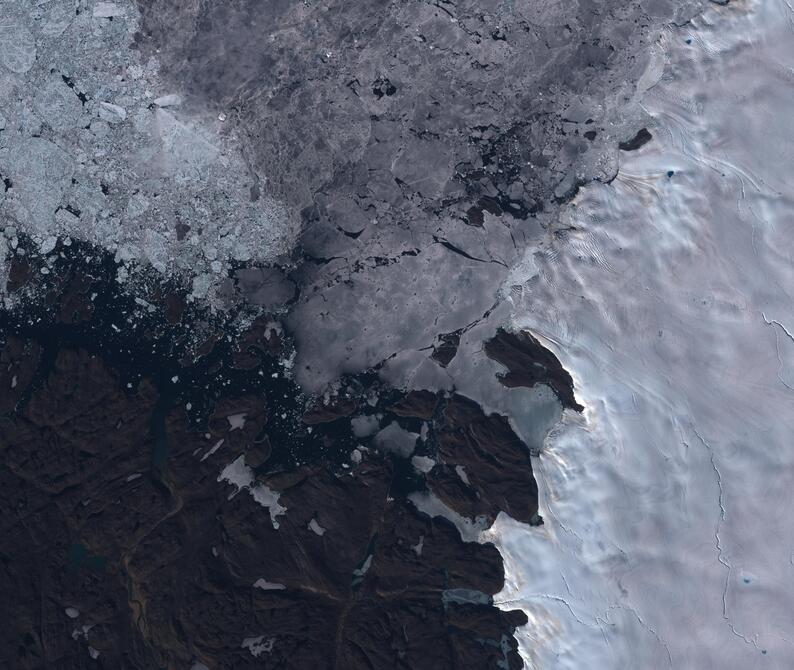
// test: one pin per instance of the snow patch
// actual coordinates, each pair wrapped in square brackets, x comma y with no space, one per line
[258,645]
[268,586]
[316,527]
[236,421]
[431,505]
[242,477]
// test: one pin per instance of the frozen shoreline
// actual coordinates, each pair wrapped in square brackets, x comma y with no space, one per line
[665,544]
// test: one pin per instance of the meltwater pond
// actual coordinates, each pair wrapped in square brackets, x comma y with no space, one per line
[667,294]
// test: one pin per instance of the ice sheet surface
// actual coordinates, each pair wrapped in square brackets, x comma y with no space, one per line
[668,539]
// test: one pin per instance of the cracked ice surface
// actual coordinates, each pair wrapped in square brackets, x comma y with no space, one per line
[668,541]
[92,146]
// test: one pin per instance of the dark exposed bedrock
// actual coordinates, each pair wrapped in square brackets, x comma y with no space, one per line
[495,461]
[407,166]
[119,539]
[529,363]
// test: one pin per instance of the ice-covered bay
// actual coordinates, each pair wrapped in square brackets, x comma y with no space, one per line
[669,540]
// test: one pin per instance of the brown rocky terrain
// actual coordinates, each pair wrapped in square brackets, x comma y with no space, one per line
[165,505]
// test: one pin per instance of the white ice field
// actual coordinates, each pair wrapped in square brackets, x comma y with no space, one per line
[669,535]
